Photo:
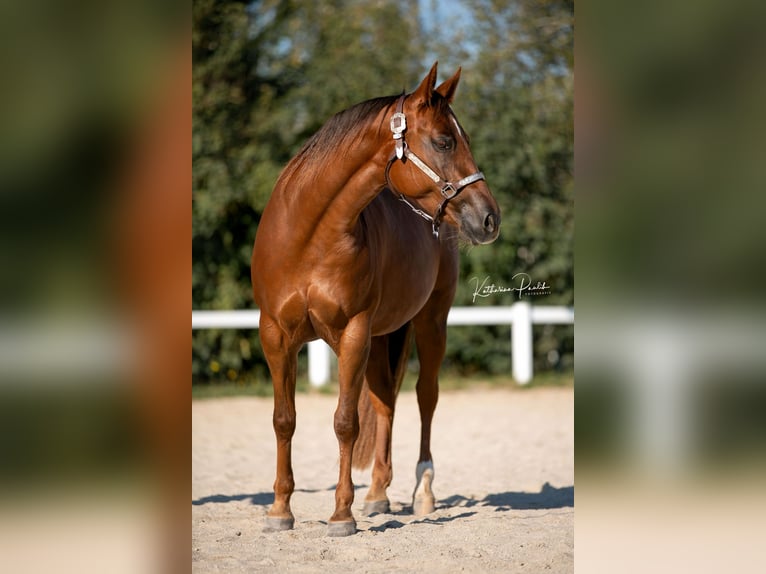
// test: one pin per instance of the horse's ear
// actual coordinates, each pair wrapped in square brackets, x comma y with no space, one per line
[424,93]
[448,87]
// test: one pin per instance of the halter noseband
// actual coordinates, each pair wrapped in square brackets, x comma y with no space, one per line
[402,152]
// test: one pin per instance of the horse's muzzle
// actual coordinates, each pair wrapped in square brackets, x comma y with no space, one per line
[479,227]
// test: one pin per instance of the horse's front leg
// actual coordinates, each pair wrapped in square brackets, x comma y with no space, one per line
[353,352]
[282,359]
[431,341]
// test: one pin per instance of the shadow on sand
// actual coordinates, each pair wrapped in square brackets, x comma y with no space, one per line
[260,498]
[548,497]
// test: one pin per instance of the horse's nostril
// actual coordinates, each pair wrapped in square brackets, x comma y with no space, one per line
[490,222]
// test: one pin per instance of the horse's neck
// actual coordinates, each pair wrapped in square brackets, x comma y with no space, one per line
[343,187]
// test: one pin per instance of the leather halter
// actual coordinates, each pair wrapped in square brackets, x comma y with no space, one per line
[402,152]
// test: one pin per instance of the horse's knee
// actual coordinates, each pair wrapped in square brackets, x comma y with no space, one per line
[346,425]
[284,425]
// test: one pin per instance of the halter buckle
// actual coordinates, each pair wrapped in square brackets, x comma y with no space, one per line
[398,124]
[446,191]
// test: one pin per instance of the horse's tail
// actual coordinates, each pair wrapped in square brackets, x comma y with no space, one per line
[399,343]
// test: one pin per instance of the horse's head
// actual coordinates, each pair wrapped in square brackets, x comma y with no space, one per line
[438,175]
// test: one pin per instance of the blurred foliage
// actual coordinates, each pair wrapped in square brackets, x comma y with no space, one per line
[268,74]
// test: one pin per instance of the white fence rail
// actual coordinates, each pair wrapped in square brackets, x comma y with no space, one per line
[520,316]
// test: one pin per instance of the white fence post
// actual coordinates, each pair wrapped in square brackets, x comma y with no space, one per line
[319,363]
[521,343]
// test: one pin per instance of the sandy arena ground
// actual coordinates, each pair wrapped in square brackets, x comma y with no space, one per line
[504,485]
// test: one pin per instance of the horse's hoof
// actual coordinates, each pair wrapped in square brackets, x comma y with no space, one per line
[423,501]
[422,507]
[345,528]
[376,507]
[278,524]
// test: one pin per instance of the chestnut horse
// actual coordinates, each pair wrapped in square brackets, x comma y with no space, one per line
[358,245]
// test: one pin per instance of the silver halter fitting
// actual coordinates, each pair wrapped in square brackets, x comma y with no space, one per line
[398,125]
[403,153]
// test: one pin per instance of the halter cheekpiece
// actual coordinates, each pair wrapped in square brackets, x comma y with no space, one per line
[402,152]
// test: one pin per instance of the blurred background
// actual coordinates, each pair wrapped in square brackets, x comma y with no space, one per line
[268,74]
[670,426]
[94,269]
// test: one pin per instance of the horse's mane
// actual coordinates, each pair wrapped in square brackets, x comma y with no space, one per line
[338,133]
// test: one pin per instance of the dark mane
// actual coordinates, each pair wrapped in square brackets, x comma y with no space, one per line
[338,132]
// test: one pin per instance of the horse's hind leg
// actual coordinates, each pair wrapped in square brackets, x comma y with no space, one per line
[431,341]
[381,397]
[282,359]
[385,371]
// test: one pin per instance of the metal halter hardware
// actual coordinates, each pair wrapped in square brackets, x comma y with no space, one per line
[403,153]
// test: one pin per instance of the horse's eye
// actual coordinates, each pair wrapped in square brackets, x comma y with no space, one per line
[443,144]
